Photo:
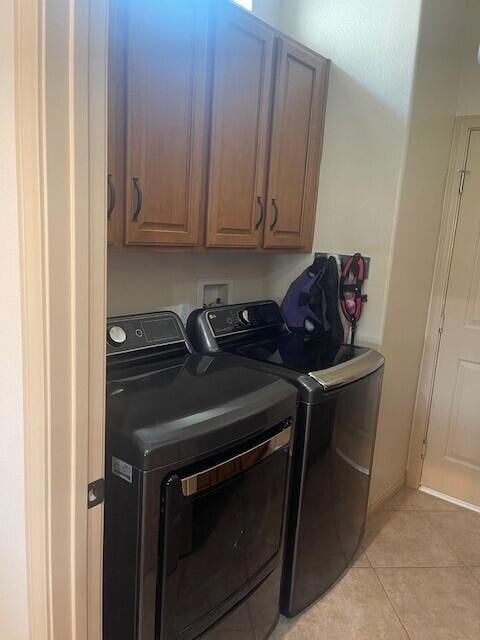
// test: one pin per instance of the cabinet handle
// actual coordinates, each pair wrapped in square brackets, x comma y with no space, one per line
[136,185]
[111,197]
[262,213]
[275,217]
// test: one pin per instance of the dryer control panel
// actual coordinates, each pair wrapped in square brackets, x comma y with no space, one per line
[131,333]
[243,317]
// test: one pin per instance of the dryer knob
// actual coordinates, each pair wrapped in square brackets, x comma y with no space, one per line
[116,335]
[244,316]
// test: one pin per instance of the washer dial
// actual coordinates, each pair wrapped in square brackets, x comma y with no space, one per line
[116,335]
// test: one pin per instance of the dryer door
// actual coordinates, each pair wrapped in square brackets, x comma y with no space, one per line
[222,528]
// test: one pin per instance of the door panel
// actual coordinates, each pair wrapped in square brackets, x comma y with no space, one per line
[116,123]
[463,443]
[240,112]
[452,463]
[166,114]
[296,144]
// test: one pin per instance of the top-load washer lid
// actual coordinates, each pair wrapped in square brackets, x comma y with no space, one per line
[257,331]
[167,406]
[306,356]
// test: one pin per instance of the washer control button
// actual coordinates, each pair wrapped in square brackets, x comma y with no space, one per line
[117,335]
[139,333]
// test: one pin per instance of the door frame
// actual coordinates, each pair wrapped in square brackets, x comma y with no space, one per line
[60,105]
[451,208]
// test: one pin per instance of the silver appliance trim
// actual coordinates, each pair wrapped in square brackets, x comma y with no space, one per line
[350,371]
[238,464]
[352,463]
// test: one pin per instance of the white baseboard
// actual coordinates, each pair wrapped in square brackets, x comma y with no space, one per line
[444,496]
[386,495]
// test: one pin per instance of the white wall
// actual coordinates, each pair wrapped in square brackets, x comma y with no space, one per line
[391,107]
[437,75]
[269,10]
[393,93]
[151,281]
[469,94]
[13,589]
[372,47]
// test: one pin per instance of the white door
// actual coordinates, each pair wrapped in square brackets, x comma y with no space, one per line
[452,462]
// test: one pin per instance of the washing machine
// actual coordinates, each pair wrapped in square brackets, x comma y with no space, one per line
[198,451]
[339,395]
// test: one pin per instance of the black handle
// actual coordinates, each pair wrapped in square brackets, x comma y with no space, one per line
[275,217]
[262,212]
[138,208]
[111,197]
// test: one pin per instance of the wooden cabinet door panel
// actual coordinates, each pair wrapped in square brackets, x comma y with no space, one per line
[166,120]
[296,144]
[240,113]
[116,123]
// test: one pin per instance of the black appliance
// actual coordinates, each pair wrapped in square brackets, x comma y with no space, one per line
[339,396]
[197,463]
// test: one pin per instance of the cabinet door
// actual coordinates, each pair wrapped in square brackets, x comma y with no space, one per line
[240,114]
[116,123]
[296,146]
[166,120]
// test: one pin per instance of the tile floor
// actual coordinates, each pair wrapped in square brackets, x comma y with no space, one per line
[416,578]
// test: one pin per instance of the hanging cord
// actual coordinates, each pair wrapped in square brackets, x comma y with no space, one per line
[353,330]
[350,292]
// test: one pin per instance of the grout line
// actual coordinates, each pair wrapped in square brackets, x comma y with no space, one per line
[425,518]
[463,563]
[417,566]
[391,603]
[474,576]
[423,510]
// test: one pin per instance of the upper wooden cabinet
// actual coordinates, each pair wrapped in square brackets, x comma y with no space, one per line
[215,128]
[167,46]
[116,124]
[296,146]
[242,78]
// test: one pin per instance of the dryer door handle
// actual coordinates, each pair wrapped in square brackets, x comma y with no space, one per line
[238,464]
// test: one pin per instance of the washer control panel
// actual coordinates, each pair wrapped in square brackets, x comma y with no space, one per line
[236,318]
[130,333]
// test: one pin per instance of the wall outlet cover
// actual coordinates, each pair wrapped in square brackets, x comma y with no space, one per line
[213,293]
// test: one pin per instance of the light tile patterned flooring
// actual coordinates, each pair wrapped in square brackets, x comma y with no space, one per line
[416,578]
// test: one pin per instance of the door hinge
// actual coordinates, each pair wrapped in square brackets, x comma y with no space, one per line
[463,174]
[96,493]
[442,322]
[424,449]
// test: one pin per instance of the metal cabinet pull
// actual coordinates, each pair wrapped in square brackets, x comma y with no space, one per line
[111,197]
[262,212]
[275,217]
[136,185]
[238,464]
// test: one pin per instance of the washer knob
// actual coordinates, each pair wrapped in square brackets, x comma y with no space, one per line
[117,335]
[245,317]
